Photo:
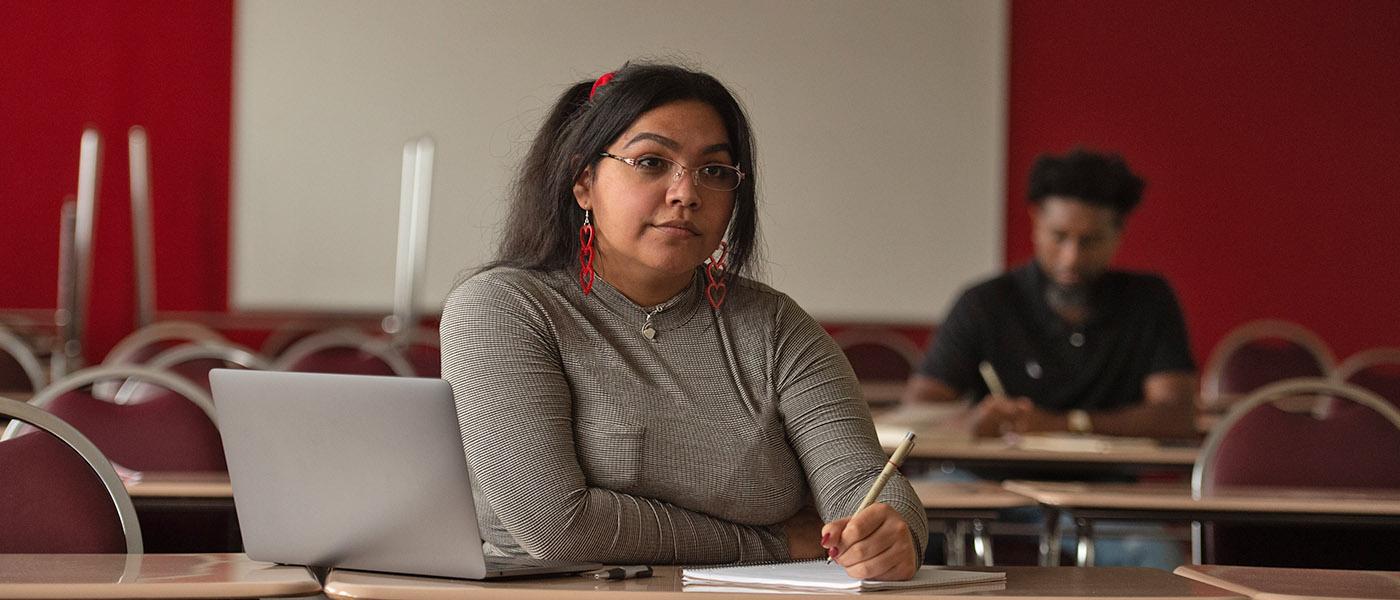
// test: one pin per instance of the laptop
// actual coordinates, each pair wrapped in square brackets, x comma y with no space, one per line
[355,472]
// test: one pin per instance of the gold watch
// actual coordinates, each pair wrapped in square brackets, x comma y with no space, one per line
[1079,422]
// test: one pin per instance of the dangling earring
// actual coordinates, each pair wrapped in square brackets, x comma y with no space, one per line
[714,272]
[585,254]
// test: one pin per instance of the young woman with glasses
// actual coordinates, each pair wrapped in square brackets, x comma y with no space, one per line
[625,394]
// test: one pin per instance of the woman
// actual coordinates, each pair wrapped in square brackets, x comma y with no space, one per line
[625,395]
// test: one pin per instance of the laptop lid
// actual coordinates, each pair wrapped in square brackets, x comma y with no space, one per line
[352,471]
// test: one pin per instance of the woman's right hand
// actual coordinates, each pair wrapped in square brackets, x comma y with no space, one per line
[804,534]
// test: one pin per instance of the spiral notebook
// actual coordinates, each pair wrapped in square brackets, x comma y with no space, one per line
[816,575]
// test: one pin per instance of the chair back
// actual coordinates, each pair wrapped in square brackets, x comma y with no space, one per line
[19,366]
[345,351]
[141,345]
[193,361]
[172,430]
[1377,370]
[1259,353]
[1351,439]
[60,495]
[878,354]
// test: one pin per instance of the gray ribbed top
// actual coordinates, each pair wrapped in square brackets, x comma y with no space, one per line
[588,441]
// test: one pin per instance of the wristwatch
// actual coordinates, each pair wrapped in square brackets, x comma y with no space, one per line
[1079,422]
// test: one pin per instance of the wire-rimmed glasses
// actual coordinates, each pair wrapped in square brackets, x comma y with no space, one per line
[713,176]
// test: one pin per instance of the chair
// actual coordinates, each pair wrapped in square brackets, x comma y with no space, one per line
[1377,369]
[878,354]
[141,345]
[19,366]
[883,360]
[193,361]
[1259,353]
[346,351]
[171,431]
[1351,439]
[60,494]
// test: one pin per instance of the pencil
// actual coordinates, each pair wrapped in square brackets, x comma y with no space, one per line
[989,375]
[891,466]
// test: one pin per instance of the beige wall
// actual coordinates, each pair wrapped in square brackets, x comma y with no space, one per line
[880,127]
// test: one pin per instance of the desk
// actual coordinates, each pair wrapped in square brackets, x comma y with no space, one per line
[185,512]
[1173,502]
[1266,583]
[149,576]
[207,489]
[946,443]
[964,507]
[1021,582]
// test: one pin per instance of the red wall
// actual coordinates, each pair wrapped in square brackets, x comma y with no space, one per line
[162,64]
[1269,135]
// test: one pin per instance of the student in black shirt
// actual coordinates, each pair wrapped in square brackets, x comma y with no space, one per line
[1077,346]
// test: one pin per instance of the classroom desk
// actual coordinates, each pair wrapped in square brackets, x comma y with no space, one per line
[109,576]
[937,447]
[185,511]
[1021,582]
[1267,583]
[180,489]
[965,508]
[1087,502]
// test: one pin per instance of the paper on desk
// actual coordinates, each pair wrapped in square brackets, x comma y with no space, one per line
[817,575]
[1073,442]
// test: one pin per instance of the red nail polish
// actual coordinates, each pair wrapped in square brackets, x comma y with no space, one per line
[826,537]
[832,552]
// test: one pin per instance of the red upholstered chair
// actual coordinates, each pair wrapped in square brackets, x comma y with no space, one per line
[193,361]
[878,354]
[1259,353]
[60,495]
[173,430]
[20,368]
[141,345]
[883,359]
[346,351]
[1351,439]
[1377,369]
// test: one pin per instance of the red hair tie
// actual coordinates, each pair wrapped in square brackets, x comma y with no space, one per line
[602,81]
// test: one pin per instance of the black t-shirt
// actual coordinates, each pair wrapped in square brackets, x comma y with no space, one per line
[1135,329]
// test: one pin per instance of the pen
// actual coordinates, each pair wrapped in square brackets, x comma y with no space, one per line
[989,375]
[621,572]
[891,466]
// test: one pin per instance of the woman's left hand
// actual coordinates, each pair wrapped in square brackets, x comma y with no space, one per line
[875,543]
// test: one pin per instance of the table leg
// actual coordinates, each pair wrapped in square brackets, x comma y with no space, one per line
[981,543]
[954,544]
[1050,538]
[1083,542]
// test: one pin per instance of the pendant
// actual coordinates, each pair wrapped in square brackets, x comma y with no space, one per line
[649,332]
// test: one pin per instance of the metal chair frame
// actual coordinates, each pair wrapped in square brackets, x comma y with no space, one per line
[345,338]
[125,349]
[1203,471]
[37,417]
[1255,330]
[84,377]
[1366,358]
[881,337]
[170,357]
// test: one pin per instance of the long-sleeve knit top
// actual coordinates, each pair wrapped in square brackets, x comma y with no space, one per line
[587,440]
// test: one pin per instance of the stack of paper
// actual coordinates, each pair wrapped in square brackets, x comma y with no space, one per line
[819,576]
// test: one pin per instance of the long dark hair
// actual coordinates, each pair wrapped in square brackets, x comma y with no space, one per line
[541,230]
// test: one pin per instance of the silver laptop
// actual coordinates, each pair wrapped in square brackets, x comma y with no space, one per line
[354,472]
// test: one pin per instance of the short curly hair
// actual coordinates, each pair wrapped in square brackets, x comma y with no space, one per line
[1096,178]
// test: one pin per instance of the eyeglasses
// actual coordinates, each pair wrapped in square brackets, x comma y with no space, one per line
[717,177]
